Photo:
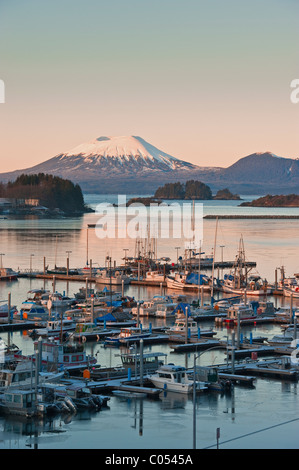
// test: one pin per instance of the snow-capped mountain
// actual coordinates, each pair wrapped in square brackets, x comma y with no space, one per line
[122,154]
[113,164]
[130,165]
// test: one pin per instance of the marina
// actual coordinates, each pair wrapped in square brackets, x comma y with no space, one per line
[239,350]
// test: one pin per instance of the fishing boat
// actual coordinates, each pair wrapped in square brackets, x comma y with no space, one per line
[115,279]
[151,361]
[175,379]
[283,313]
[8,351]
[62,270]
[132,334]
[4,311]
[80,396]
[237,284]
[187,281]
[165,310]
[285,339]
[54,328]
[149,307]
[68,356]
[181,327]
[22,373]
[57,300]
[145,309]
[290,287]
[35,295]
[19,402]
[154,276]
[32,311]
[238,281]
[90,331]
[88,271]
[240,312]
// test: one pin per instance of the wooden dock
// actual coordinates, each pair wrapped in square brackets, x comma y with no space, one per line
[153,339]
[238,379]
[248,352]
[151,392]
[199,345]
[270,369]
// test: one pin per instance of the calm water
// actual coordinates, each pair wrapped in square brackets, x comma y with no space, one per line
[264,417]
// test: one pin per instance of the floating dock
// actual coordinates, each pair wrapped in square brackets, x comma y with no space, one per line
[199,345]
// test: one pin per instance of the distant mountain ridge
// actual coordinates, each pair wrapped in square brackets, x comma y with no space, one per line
[131,165]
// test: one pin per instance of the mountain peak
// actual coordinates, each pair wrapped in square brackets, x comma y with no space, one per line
[124,150]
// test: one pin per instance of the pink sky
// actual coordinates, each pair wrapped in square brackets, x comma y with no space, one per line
[206,85]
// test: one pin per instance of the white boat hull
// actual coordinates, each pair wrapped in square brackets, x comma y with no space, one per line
[179,285]
[290,292]
[255,293]
[171,387]
[113,282]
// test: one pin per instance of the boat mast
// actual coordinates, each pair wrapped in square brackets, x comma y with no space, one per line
[214,253]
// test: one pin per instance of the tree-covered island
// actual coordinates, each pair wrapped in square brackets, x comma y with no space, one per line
[44,193]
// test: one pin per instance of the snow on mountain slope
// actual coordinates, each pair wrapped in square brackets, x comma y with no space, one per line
[127,151]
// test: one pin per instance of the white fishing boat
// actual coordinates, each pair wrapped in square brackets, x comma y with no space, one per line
[191,328]
[154,276]
[132,334]
[166,310]
[236,284]
[22,374]
[291,288]
[88,271]
[238,281]
[145,309]
[115,279]
[242,312]
[149,307]
[187,281]
[55,328]
[175,379]
[56,300]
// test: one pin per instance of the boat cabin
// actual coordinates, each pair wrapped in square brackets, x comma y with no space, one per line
[151,361]
[19,402]
[242,311]
[131,331]
[22,374]
[70,355]
[174,374]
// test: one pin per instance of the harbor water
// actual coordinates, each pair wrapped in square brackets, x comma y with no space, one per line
[265,416]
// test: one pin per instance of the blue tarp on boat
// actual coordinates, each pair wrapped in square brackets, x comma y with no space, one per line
[183,306]
[107,317]
[192,278]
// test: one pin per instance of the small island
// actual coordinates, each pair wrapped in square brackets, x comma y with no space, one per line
[290,200]
[193,190]
[43,195]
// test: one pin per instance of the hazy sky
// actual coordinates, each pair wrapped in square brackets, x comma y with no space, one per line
[207,81]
